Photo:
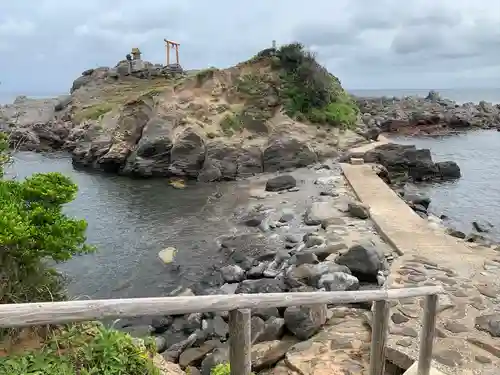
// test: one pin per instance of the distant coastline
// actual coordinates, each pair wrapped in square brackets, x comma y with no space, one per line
[460,95]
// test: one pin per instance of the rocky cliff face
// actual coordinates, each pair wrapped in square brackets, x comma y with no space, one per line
[209,125]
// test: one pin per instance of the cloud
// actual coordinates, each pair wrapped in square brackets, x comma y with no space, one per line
[368,44]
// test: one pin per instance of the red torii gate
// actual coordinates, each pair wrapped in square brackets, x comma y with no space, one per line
[170,44]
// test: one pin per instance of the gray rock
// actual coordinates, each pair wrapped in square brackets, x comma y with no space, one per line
[324,252]
[232,273]
[304,257]
[338,281]
[456,233]
[314,240]
[320,211]
[364,260]
[161,323]
[292,238]
[194,356]
[283,153]
[310,274]
[174,351]
[286,216]
[217,327]
[266,313]
[257,327]
[358,210]
[217,357]
[260,286]
[257,271]
[274,329]
[280,183]
[305,321]
[489,323]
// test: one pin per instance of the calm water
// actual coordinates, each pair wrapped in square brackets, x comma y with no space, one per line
[476,196]
[130,221]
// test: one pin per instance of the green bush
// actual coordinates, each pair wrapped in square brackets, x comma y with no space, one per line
[83,350]
[230,124]
[222,369]
[33,229]
[33,233]
[309,89]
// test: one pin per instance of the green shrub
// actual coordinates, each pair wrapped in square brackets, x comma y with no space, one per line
[309,89]
[222,369]
[83,350]
[205,74]
[230,124]
[33,232]
[93,112]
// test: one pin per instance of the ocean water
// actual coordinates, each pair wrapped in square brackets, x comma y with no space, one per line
[476,195]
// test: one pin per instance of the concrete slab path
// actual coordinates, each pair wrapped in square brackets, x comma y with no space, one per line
[468,324]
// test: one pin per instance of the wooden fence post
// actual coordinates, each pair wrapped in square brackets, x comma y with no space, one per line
[380,323]
[240,349]
[427,335]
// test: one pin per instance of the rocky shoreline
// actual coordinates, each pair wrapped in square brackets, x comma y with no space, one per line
[327,244]
[432,115]
[330,245]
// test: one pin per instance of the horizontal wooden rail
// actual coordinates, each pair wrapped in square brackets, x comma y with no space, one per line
[29,314]
[239,307]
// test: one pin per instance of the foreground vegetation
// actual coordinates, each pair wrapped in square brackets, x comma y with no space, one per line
[34,232]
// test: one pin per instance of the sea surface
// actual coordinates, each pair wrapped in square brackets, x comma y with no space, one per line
[130,221]
[476,195]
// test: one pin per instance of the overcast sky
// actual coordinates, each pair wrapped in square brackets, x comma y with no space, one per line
[46,44]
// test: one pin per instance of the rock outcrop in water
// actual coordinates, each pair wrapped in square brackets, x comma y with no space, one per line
[406,162]
[429,115]
[208,125]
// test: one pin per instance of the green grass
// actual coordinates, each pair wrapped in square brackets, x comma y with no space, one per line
[88,349]
[205,74]
[93,112]
[231,124]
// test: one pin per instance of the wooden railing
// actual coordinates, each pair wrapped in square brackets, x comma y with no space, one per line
[239,307]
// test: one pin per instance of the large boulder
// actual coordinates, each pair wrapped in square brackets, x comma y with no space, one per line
[284,153]
[417,163]
[187,154]
[305,321]
[282,182]
[364,260]
[229,161]
[151,156]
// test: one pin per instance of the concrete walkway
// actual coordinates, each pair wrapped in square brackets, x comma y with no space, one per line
[468,312]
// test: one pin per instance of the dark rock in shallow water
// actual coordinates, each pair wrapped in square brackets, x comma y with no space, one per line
[448,170]
[280,183]
[456,233]
[417,163]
